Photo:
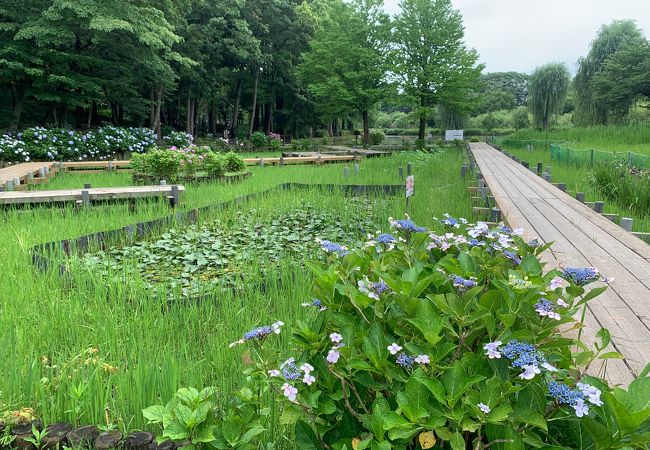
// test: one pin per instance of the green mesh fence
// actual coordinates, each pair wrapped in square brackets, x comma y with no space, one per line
[562,153]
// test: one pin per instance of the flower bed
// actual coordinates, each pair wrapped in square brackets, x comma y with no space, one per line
[49,144]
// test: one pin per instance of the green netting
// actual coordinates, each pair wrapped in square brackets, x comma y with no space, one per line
[581,158]
[562,153]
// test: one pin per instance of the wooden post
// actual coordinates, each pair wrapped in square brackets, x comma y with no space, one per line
[472,166]
[463,170]
[85,198]
[626,223]
[580,196]
[539,168]
[346,172]
[281,160]
[176,194]
[319,162]
[41,172]
[599,206]
[16,182]
[356,167]
[87,186]
[110,166]
[261,162]
[9,185]
[562,186]
[30,177]
[525,164]
[401,173]
[548,169]
[481,188]
[409,168]
[495,215]
[163,182]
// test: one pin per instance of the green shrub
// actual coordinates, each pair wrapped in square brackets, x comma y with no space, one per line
[214,165]
[420,144]
[628,187]
[319,133]
[301,145]
[275,144]
[162,164]
[376,137]
[234,163]
[259,139]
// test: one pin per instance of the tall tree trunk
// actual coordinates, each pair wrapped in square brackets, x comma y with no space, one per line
[235,111]
[423,121]
[212,118]
[190,110]
[254,107]
[330,129]
[366,130]
[545,122]
[18,96]
[156,105]
[90,114]
[195,116]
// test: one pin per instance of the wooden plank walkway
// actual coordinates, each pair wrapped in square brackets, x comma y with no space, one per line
[581,238]
[22,171]
[94,194]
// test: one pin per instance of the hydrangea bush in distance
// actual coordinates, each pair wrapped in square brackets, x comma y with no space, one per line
[452,340]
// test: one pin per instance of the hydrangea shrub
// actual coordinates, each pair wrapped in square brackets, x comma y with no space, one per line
[451,340]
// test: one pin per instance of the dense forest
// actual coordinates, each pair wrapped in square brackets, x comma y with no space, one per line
[293,67]
[205,66]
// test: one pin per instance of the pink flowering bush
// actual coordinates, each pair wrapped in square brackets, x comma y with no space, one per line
[445,340]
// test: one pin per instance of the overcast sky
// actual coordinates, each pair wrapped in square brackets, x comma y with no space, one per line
[523,34]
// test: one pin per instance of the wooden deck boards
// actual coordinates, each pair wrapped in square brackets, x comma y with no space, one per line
[95,194]
[21,170]
[581,237]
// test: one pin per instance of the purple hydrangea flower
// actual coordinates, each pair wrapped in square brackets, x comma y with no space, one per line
[545,308]
[512,256]
[407,225]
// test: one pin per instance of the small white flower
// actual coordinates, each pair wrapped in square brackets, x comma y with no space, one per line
[422,359]
[333,356]
[483,407]
[492,349]
[530,370]
[549,367]
[308,379]
[307,368]
[274,373]
[394,348]
[336,338]
[290,392]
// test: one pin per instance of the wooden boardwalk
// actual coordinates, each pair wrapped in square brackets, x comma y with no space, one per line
[94,194]
[581,238]
[25,172]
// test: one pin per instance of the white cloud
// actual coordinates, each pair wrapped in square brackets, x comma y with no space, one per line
[522,34]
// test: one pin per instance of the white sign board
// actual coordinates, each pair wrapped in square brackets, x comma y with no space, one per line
[410,185]
[452,135]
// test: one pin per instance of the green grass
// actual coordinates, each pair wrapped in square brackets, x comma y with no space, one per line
[50,322]
[612,138]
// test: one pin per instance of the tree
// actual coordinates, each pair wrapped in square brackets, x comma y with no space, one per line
[609,40]
[502,90]
[547,90]
[431,62]
[624,79]
[345,69]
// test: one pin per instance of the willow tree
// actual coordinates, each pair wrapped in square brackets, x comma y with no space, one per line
[547,91]
[431,62]
[609,40]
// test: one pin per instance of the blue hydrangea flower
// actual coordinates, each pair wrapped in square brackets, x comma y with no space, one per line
[512,256]
[522,354]
[406,225]
[581,275]
[533,243]
[386,238]
[545,308]
[405,360]
[260,333]
[564,394]
[463,284]
[333,247]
